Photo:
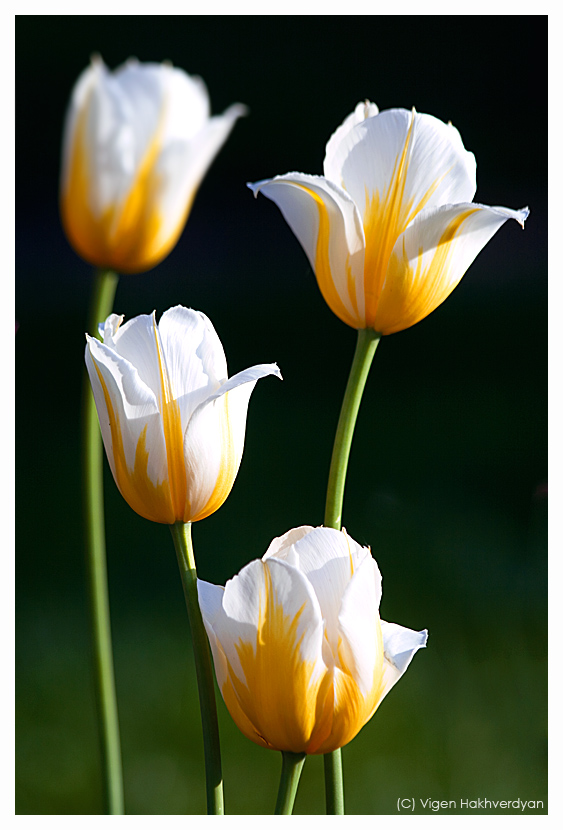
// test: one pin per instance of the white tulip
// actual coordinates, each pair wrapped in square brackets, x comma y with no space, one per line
[137,143]
[172,421]
[301,656]
[391,228]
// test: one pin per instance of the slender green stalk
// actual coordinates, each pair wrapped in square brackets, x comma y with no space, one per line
[292,764]
[93,494]
[182,536]
[366,345]
[334,783]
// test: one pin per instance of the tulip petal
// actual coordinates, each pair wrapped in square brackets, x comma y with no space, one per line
[210,601]
[400,162]
[271,635]
[361,644]
[357,675]
[195,358]
[400,645]
[132,432]
[135,341]
[214,441]
[179,171]
[430,258]
[328,558]
[327,224]
[335,151]
[282,547]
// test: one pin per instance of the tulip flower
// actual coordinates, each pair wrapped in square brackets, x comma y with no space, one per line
[301,656]
[172,422]
[137,143]
[390,228]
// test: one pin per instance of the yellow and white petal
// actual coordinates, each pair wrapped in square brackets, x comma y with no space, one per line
[430,258]
[113,121]
[194,355]
[400,162]
[326,222]
[335,151]
[214,442]
[357,665]
[271,634]
[400,645]
[132,432]
[352,706]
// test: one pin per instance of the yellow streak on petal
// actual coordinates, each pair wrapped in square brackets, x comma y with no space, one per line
[229,463]
[350,555]
[413,292]
[173,436]
[386,217]
[352,708]
[285,702]
[150,500]
[323,271]
[351,286]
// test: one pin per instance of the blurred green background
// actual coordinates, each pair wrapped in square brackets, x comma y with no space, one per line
[448,474]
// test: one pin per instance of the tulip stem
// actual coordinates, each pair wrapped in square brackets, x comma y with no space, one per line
[182,536]
[292,764]
[366,344]
[101,304]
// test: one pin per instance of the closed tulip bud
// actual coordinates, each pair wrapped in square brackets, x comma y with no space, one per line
[301,656]
[137,143]
[391,228]
[172,421]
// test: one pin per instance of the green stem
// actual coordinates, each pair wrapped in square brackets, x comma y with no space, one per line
[334,783]
[182,536]
[292,764]
[101,304]
[366,345]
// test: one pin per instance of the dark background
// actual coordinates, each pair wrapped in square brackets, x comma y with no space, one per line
[448,473]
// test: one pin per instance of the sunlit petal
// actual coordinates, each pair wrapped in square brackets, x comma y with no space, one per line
[430,258]
[400,645]
[132,432]
[327,224]
[337,147]
[214,442]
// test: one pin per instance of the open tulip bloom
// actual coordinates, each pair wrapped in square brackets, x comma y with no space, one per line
[137,143]
[172,421]
[301,656]
[391,228]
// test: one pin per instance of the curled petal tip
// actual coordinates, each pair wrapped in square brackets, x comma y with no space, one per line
[238,110]
[255,187]
[276,371]
[524,213]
